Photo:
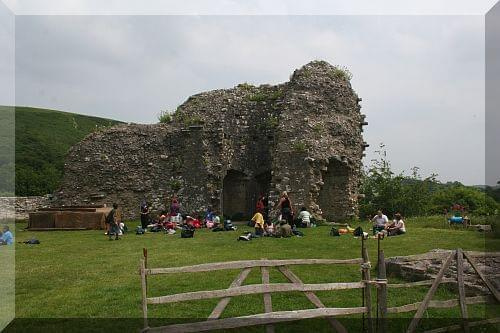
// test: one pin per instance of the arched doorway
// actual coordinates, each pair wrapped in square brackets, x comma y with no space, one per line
[333,197]
[241,191]
[235,194]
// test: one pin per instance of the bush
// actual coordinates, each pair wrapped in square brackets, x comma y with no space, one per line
[416,196]
[472,199]
[165,117]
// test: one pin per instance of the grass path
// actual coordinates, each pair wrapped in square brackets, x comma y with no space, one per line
[82,274]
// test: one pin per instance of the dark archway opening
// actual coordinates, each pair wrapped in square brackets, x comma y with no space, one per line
[241,191]
[334,194]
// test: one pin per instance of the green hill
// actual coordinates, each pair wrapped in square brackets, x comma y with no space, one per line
[42,140]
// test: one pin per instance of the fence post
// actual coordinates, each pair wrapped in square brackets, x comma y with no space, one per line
[382,292]
[365,267]
[144,295]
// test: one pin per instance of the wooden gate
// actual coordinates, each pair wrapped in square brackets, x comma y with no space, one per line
[269,316]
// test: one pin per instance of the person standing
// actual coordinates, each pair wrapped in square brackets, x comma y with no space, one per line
[145,218]
[175,207]
[285,206]
[113,220]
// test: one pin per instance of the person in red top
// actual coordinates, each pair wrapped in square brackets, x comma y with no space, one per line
[260,204]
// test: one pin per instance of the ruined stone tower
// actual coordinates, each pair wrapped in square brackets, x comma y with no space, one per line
[223,148]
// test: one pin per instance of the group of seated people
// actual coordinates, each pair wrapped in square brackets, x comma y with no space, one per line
[282,228]
[173,220]
[382,227]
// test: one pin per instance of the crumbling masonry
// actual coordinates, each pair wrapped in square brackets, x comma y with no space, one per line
[223,148]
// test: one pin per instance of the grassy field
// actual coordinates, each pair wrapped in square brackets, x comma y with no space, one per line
[82,274]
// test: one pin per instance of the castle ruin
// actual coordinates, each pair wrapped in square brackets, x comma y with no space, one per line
[223,148]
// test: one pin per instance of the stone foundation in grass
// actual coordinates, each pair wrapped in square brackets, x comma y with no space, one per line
[411,268]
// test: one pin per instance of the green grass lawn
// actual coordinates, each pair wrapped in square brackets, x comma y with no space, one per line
[82,274]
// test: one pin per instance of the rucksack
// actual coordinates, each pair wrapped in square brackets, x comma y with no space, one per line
[32,241]
[298,233]
[334,232]
[187,232]
[139,231]
[358,232]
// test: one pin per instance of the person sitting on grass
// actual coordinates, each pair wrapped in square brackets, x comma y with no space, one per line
[7,238]
[209,217]
[397,227]
[269,230]
[258,222]
[304,218]
[379,222]
[284,230]
[216,219]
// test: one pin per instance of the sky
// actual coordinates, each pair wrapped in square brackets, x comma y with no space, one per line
[421,77]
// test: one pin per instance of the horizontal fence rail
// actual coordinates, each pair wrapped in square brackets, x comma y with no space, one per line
[269,317]
[248,264]
[419,283]
[442,304]
[254,289]
[258,319]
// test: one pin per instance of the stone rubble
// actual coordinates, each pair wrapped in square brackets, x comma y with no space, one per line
[427,269]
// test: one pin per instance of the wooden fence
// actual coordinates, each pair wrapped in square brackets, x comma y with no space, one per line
[427,302]
[270,317]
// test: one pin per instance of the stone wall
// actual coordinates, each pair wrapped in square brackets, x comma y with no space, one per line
[19,207]
[225,147]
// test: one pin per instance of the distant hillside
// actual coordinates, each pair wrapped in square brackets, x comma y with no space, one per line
[43,137]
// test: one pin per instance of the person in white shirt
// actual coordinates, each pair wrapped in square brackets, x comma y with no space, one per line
[304,217]
[379,222]
[397,227]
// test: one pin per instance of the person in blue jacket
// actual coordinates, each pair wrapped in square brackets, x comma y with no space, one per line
[7,238]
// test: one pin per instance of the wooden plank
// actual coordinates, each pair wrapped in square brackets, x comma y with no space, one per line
[258,319]
[444,255]
[268,305]
[461,290]
[144,294]
[336,325]
[430,294]
[419,283]
[248,263]
[482,254]
[382,292]
[459,327]
[219,308]
[365,273]
[253,289]
[441,304]
[492,288]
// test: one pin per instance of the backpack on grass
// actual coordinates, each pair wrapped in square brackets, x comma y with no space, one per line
[334,232]
[187,231]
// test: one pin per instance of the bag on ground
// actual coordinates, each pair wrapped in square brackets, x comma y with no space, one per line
[334,232]
[187,232]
